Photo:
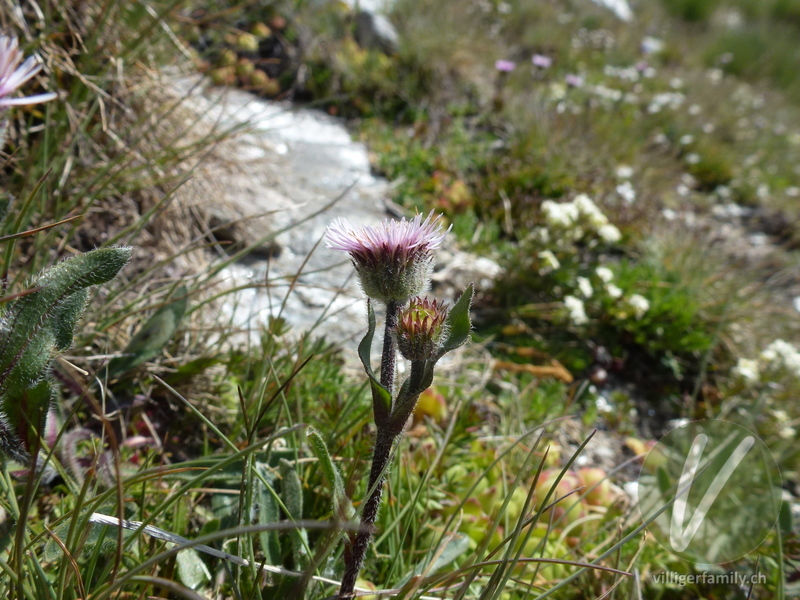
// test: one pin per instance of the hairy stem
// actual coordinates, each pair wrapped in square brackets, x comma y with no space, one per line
[356,550]
[405,405]
[389,354]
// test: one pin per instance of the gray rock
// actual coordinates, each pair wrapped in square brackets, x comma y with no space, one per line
[276,186]
[375,32]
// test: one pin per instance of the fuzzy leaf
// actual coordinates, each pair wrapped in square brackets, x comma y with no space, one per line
[192,571]
[342,507]
[10,444]
[291,490]
[268,512]
[31,322]
[458,322]
[67,316]
[381,398]
[152,337]
[292,496]
[455,546]
[28,412]
[96,534]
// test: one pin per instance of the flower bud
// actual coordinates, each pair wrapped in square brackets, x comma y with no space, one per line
[421,329]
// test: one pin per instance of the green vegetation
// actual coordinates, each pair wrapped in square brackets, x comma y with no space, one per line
[639,190]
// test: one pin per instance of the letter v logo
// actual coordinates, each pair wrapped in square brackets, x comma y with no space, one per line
[678,536]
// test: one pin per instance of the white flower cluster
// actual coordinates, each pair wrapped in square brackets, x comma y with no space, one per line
[579,217]
[663,100]
[548,262]
[606,275]
[625,73]
[779,356]
[577,311]
[639,305]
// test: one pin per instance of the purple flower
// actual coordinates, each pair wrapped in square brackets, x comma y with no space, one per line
[394,260]
[541,61]
[573,80]
[505,66]
[12,75]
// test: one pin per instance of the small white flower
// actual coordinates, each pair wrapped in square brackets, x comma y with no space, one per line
[781,355]
[686,139]
[626,191]
[549,262]
[715,75]
[651,45]
[747,370]
[585,287]
[609,233]
[624,172]
[613,291]
[639,304]
[605,274]
[577,312]
[588,209]
[560,214]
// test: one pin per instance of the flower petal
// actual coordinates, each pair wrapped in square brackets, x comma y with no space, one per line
[28,69]
[28,99]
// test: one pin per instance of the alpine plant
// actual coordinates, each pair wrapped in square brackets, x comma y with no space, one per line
[394,261]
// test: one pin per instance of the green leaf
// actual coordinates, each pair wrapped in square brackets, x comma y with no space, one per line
[292,496]
[152,337]
[381,398]
[67,316]
[93,535]
[342,507]
[36,321]
[459,325]
[785,518]
[268,512]
[192,571]
[27,413]
[291,490]
[456,545]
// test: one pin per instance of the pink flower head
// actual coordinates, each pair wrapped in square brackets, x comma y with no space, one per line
[505,66]
[574,80]
[541,61]
[394,259]
[12,75]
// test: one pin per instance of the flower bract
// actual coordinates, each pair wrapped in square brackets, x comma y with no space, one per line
[394,259]
[421,328]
